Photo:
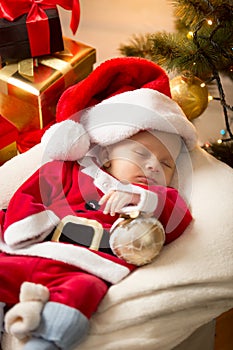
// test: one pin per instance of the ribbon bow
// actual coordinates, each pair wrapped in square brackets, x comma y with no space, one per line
[37,20]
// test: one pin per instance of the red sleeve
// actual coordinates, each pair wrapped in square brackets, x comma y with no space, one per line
[172,212]
[28,217]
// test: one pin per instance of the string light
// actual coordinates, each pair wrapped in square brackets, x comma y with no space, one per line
[190,35]
[219,141]
[223,132]
[209,21]
[207,144]
[210,98]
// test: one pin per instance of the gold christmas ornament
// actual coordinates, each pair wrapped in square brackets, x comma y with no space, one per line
[137,240]
[190,93]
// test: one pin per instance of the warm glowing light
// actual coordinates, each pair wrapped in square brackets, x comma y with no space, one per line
[202,85]
[210,98]
[209,22]
[190,35]
[219,141]
[24,86]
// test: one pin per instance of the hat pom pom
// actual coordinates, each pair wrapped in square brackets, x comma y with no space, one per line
[66,140]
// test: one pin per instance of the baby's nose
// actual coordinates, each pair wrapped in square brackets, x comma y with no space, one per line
[153,164]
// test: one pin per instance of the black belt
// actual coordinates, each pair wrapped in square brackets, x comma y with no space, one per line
[81,234]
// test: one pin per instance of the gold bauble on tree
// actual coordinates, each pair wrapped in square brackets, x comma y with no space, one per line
[190,93]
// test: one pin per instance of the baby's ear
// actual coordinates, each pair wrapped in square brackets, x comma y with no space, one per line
[104,157]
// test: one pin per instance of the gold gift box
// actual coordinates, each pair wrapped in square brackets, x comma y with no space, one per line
[8,152]
[30,102]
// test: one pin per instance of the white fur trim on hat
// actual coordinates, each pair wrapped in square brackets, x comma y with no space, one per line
[66,140]
[123,115]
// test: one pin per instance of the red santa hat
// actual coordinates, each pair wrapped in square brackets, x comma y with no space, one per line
[117,100]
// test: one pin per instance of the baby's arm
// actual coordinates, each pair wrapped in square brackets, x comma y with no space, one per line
[129,198]
[163,203]
[28,218]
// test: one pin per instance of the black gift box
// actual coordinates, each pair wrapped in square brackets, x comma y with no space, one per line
[14,42]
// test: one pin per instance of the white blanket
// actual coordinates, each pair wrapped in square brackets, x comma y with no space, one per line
[189,284]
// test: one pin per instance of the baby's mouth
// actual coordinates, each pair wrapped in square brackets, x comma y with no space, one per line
[146,180]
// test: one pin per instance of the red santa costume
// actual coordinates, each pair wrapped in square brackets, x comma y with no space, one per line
[68,281]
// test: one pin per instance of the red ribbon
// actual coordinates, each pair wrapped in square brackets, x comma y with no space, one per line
[37,20]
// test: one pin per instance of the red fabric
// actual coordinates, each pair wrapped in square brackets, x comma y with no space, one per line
[37,20]
[28,139]
[67,284]
[64,190]
[112,77]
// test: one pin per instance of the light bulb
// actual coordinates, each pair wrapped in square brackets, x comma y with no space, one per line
[222,132]
[190,35]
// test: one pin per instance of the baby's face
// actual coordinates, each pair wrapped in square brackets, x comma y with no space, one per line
[141,159]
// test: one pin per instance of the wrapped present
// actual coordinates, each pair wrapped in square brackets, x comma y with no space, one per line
[8,139]
[30,102]
[31,28]
[14,41]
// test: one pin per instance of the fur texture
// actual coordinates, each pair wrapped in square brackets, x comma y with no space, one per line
[192,278]
[112,77]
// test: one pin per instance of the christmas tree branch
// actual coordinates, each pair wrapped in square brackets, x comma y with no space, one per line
[203,45]
[223,103]
[191,11]
[139,46]
[216,76]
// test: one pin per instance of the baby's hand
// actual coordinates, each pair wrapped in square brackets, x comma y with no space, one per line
[116,200]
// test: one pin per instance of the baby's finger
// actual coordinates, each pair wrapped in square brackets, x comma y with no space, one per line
[105,197]
[116,205]
[111,204]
